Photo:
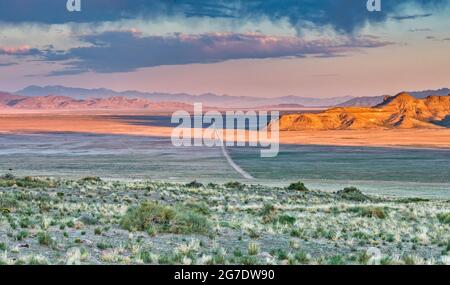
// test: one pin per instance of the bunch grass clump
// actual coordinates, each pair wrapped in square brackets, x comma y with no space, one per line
[8,202]
[444,218]
[370,212]
[157,218]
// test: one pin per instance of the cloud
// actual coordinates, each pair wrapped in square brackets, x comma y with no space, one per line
[19,51]
[7,64]
[411,17]
[419,30]
[125,51]
[343,15]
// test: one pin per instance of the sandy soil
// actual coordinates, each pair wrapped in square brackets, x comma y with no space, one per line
[96,123]
[414,138]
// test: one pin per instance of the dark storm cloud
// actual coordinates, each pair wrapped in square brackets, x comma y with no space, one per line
[343,15]
[128,51]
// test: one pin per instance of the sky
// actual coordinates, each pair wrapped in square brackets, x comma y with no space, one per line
[264,48]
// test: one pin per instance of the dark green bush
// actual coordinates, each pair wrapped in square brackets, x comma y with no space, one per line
[352,194]
[92,179]
[286,220]
[194,184]
[235,185]
[298,186]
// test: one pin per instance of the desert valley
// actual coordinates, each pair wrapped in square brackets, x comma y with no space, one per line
[400,121]
[230,132]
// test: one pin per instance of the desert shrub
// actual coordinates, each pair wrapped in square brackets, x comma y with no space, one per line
[248,260]
[104,245]
[336,260]
[6,183]
[37,260]
[8,201]
[88,219]
[188,221]
[92,179]
[146,257]
[411,200]
[31,182]
[408,260]
[279,253]
[286,220]
[165,219]
[198,207]
[7,176]
[370,212]
[268,213]
[147,213]
[444,218]
[352,194]
[22,235]
[253,248]
[301,257]
[44,239]
[235,185]
[194,184]
[298,186]
[268,209]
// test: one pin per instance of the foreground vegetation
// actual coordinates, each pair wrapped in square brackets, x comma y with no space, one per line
[90,221]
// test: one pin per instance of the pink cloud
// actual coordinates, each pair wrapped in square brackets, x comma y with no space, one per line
[19,50]
[124,51]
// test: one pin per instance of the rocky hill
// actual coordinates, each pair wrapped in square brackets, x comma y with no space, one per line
[6,98]
[362,102]
[52,102]
[400,111]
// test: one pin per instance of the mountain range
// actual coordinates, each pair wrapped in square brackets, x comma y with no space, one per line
[215,100]
[400,111]
[60,97]
[376,100]
[56,102]
[208,99]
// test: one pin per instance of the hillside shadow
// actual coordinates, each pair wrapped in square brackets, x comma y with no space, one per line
[444,122]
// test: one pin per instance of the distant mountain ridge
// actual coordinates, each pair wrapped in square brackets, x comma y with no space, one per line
[213,100]
[53,102]
[371,101]
[400,111]
[362,102]
[208,99]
